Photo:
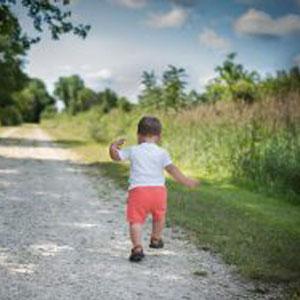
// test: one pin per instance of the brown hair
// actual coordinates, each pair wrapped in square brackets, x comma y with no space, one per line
[149,125]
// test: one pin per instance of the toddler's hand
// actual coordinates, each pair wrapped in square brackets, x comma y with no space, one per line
[119,143]
[192,183]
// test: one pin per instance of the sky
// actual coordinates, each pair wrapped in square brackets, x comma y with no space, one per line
[131,36]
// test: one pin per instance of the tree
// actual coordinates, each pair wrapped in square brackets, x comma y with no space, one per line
[239,81]
[282,83]
[124,104]
[173,88]
[43,12]
[295,78]
[108,99]
[216,91]
[151,94]
[14,43]
[86,98]
[12,78]
[32,100]
[67,90]
[168,95]
[195,98]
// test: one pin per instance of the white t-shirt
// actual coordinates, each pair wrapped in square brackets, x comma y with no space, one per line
[147,163]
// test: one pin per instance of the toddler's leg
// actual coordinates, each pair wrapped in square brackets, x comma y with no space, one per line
[157,228]
[137,253]
[159,206]
[135,230]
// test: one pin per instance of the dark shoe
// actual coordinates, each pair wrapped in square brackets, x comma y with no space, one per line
[156,243]
[137,254]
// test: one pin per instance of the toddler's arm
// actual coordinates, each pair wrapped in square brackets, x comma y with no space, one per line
[180,177]
[114,147]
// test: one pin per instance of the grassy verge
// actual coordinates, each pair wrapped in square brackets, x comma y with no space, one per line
[259,234]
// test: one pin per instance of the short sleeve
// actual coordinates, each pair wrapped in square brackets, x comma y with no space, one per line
[125,153]
[166,160]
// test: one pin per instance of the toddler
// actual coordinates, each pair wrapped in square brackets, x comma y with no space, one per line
[147,192]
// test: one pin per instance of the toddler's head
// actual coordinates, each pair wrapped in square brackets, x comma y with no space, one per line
[149,129]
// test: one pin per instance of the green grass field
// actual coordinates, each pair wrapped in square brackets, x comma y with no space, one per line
[259,234]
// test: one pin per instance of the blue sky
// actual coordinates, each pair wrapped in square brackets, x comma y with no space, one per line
[130,36]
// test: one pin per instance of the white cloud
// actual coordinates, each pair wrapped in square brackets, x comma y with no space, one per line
[85,67]
[103,74]
[66,68]
[259,23]
[204,79]
[211,39]
[174,18]
[131,3]
[296,60]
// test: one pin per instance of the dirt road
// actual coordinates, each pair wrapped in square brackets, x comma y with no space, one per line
[63,236]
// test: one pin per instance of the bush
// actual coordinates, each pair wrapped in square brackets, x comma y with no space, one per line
[105,127]
[10,116]
[245,91]
[49,112]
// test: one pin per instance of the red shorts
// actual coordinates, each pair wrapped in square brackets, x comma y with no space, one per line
[144,200]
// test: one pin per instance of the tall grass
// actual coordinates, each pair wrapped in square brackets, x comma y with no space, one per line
[259,143]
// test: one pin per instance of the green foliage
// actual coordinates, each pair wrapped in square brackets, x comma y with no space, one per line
[43,13]
[32,100]
[151,95]
[67,90]
[124,104]
[194,98]
[268,152]
[108,100]
[26,104]
[244,90]
[105,127]
[12,77]
[283,83]
[231,73]
[49,112]
[233,83]
[10,115]
[15,86]
[169,95]
[215,91]
[77,98]
[86,98]
[173,88]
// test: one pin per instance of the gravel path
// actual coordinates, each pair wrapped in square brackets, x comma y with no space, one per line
[63,236]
